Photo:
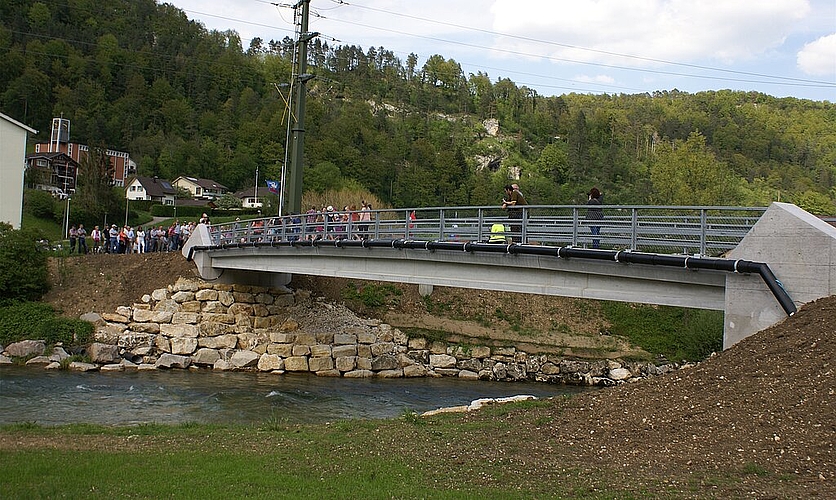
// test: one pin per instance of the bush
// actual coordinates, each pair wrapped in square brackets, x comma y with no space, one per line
[38,321]
[23,265]
[39,204]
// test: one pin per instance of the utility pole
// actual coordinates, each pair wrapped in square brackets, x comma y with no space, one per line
[294,192]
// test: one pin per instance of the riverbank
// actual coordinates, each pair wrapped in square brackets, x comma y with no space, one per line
[753,421]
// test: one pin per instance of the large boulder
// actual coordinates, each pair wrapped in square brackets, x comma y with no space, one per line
[103,354]
[26,348]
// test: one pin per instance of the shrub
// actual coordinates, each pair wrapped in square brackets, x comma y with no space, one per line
[38,203]
[38,321]
[23,265]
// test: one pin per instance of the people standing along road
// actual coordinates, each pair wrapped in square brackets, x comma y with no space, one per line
[113,239]
[96,235]
[82,239]
[595,213]
[73,237]
[514,199]
[140,240]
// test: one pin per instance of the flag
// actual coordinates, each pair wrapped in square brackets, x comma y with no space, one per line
[273,186]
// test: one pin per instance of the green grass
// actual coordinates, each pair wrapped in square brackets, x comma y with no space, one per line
[674,332]
[50,228]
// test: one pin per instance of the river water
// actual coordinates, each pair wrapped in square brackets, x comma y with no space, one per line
[54,397]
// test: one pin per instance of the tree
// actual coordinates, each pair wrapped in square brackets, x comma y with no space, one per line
[23,269]
[94,196]
[687,173]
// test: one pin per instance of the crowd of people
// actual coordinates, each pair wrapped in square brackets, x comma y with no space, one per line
[128,239]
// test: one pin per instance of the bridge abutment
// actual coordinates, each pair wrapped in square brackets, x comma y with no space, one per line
[799,248]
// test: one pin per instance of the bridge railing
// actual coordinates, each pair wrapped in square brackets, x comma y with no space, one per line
[658,229]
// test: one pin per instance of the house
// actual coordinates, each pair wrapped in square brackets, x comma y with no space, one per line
[150,188]
[201,189]
[250,198]
[53,172]
[120,162]
[13,136]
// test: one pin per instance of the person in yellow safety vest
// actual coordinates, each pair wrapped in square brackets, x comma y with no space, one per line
[498,233]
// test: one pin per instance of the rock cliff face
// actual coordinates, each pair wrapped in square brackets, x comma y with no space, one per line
[233,327]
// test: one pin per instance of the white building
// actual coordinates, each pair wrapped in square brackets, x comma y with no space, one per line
[13,135]
[150,188]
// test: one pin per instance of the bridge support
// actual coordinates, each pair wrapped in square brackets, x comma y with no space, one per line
[801,251]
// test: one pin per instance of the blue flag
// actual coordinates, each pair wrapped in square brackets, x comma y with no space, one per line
[273,186]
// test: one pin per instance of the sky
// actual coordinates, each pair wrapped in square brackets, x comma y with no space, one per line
[784,48]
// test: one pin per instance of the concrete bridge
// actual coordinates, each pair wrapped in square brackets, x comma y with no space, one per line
[757,265]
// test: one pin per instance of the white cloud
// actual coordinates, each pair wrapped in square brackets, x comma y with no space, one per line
[819,58]
[672,30]
[605,79]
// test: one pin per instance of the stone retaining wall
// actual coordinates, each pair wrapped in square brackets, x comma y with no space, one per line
[234,327]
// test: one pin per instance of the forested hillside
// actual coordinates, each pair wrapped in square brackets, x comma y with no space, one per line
[140,77]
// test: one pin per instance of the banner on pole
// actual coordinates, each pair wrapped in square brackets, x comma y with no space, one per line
[273,186]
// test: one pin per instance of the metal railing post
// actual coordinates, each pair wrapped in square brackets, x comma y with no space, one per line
[575,224]
[634,236]
[441,224]
[703,230]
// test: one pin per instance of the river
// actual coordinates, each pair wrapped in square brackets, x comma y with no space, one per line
[53,397]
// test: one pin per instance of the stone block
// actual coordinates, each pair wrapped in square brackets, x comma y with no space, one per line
[412,371]
[206,295]
[173,361]
[366,338]
[225,298]
[159,294]
[264,299]
[344,339]
[185,285]
[124,311]
[385,362]
[26,348]
[239,309]
[398,373]
[228,341]
[205,356]
[308,339]
[321,350]
[183,296]
[345,363]
[179,330]
[382,348]
[167,305]
[442,361]
[261,323]
[270,362]
[189,318]
[282,338]
[260,310]
[283,350]
[115,318]
[417,343]
[364,350]
[244,359]
[481,352]
[226,319]
[364,363]
[192,306]
[103,353]
[296,364]
[301,350]
[243,297]
[318,364]
[183,345]
[148,316]
[344,350]
[359,374]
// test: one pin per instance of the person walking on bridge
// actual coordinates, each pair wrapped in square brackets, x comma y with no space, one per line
[514,199]
[596,213]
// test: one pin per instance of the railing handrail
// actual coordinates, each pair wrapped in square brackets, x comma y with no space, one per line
[701,230]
